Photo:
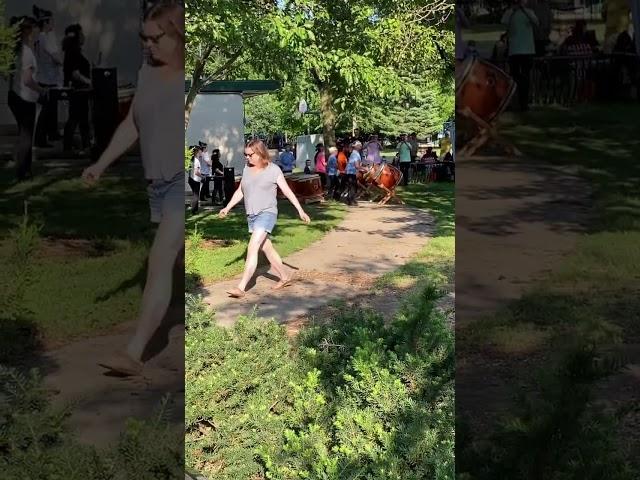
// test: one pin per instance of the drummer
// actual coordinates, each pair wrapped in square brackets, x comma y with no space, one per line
[205,169]
[218,176]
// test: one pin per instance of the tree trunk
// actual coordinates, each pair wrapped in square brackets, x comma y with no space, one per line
[328,113]
[191,96]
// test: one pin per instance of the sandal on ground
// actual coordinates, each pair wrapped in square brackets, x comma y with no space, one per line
[123,364]
[284,283]
[236,293]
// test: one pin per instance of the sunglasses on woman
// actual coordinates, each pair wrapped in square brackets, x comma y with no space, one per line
[151,38]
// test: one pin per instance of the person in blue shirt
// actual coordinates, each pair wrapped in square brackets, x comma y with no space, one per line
[352,170]
[332,173]
[287,160]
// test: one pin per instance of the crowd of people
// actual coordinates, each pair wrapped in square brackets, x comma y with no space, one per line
[42,63]
[206,171]
[529,33]
[336,166]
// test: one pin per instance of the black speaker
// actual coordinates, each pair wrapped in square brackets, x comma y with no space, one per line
[229,184]
[105,107]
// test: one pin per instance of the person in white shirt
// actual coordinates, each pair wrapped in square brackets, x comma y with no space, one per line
[195,178]
[205,168]
[24,93]
[49,60]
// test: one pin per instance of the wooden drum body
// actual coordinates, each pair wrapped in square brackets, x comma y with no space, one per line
[483,88]
[390,177]
[307,186]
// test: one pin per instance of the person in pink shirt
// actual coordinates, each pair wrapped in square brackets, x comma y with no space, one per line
[321,164]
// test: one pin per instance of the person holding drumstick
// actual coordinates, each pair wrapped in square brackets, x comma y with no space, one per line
[259,187]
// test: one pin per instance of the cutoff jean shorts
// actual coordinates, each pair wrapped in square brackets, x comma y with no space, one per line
[166,197]
[262,220]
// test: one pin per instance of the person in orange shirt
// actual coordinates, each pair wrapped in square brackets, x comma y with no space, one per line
[342,168]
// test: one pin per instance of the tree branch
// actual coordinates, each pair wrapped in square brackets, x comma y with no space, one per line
[230,61]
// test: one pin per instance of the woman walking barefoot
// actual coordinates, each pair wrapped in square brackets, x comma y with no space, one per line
[156,114]
[259,188]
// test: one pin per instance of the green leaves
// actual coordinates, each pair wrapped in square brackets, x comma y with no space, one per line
[336,406]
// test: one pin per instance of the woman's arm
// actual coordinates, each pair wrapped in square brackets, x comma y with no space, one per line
[286,190]
[28,80]
[235,199]
[125,135]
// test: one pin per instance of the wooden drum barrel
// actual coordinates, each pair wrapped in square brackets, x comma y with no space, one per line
[483,88]
[308,186]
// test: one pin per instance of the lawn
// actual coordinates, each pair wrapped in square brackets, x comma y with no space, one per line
[601,141]
[88,260]
[584,309]
[435,263]
[215,248]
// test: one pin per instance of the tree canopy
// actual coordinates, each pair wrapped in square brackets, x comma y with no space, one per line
[338,53]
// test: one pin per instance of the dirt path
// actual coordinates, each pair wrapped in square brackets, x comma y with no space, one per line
[371,241]
[100,403]
[523,216]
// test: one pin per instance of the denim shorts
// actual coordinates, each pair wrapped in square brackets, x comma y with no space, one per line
[166,197]
[263,220]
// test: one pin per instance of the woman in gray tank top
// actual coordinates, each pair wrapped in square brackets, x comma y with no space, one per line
[259,189]
[156,114]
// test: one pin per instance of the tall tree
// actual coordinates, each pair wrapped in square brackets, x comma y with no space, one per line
[356,49]
[7,45]
[224,38]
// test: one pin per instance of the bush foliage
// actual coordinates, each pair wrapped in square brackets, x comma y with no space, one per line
[353,398]
[36,442]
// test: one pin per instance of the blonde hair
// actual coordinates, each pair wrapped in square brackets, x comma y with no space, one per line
[260,148]
[333,150]
[169,15]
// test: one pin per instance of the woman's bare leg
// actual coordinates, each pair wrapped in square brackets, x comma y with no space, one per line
[255,244]
[274,258]
[167,243]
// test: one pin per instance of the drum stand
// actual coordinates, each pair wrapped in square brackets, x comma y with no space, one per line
[487,132]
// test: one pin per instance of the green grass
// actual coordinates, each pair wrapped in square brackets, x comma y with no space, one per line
[224,258]
[589,302]
[95,281]
[601,142]
[435,262]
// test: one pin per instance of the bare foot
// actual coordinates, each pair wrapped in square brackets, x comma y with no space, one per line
[123,364]
[236,293]
[284,282]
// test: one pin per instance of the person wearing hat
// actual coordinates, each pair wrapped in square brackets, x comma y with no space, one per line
[49,75]
[77,75]
[218,176]
[205,168]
